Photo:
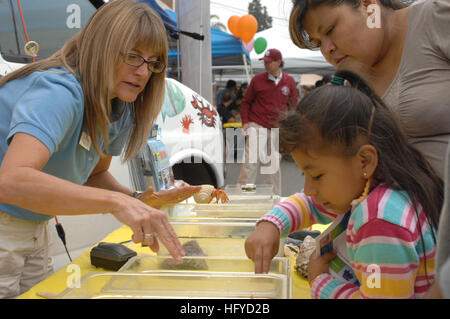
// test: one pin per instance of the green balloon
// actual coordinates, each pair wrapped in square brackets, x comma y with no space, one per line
[260,45]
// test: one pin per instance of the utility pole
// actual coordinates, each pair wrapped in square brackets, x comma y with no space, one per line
[196,61]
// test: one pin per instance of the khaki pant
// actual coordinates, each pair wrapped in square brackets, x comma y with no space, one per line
[261,152]
[24,255]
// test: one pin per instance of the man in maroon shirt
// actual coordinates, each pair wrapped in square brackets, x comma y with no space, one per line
[269,96]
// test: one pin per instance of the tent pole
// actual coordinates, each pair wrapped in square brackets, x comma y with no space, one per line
[178,60]
[246,67]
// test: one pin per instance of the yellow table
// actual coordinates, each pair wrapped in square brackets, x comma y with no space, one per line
[232,125]
[57,282]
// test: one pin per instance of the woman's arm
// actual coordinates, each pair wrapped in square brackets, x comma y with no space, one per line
[23,184]
[101,178]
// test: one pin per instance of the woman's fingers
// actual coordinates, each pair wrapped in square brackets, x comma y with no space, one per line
[167,236]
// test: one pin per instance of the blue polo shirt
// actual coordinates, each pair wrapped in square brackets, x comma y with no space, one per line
[49,105]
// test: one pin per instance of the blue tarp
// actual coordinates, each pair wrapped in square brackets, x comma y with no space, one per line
[226,49]
[167,20]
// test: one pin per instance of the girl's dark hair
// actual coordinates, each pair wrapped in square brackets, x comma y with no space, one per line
[298,33]
[341,115]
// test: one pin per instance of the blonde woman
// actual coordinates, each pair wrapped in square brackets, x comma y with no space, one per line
[61,121]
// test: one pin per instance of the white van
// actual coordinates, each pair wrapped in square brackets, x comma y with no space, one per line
[190,126]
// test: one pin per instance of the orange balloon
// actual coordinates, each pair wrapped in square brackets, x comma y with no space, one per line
[247,27]
[233,25]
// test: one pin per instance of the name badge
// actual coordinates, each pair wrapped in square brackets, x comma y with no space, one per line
[85,141]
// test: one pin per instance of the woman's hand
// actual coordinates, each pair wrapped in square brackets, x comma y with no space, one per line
[168,197]
[262,245]
[319,265]
[143,219]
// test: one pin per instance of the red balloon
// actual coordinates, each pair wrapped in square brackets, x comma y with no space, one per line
[233,25]
[247,27]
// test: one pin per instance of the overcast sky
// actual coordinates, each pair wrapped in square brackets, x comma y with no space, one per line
[278,9]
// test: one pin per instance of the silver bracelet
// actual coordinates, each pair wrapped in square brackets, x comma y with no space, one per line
[136,194]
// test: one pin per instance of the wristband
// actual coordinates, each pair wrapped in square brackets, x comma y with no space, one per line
[136,194]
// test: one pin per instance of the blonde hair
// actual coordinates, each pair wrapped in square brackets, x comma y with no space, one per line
[93,53]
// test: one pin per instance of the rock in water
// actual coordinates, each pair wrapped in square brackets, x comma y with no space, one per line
[191,248]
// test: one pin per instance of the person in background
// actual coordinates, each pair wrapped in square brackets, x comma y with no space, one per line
[243,88]
[224,109]
[357,161]
[230,88]
[402,52]
[269,96]
[61,121]
[236,106]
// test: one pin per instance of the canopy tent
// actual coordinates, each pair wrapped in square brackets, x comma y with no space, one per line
[226,49]
[296,61]
[169,23]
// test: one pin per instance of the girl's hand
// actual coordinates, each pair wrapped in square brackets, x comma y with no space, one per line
[262,245]
[319,265]
[168,197]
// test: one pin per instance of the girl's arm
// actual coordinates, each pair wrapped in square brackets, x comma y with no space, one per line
[297,212]
[385,260]
[294,213]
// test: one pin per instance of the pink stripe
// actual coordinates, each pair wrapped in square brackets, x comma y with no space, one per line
[321,284]
[285,207]
[409,218]
[421,290]
[382,203]
[343,290]
[373,200]
[350,293]
[305,200]
[296,223]
[424,277]
[274,219]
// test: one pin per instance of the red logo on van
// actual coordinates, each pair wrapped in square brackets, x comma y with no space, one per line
[206,113]
[186,122]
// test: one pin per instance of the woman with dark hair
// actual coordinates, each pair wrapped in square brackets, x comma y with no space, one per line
[402,52]
[357,161]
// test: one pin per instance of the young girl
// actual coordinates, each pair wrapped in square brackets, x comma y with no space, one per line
[355,157]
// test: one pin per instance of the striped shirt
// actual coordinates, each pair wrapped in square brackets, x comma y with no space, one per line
[383,243]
